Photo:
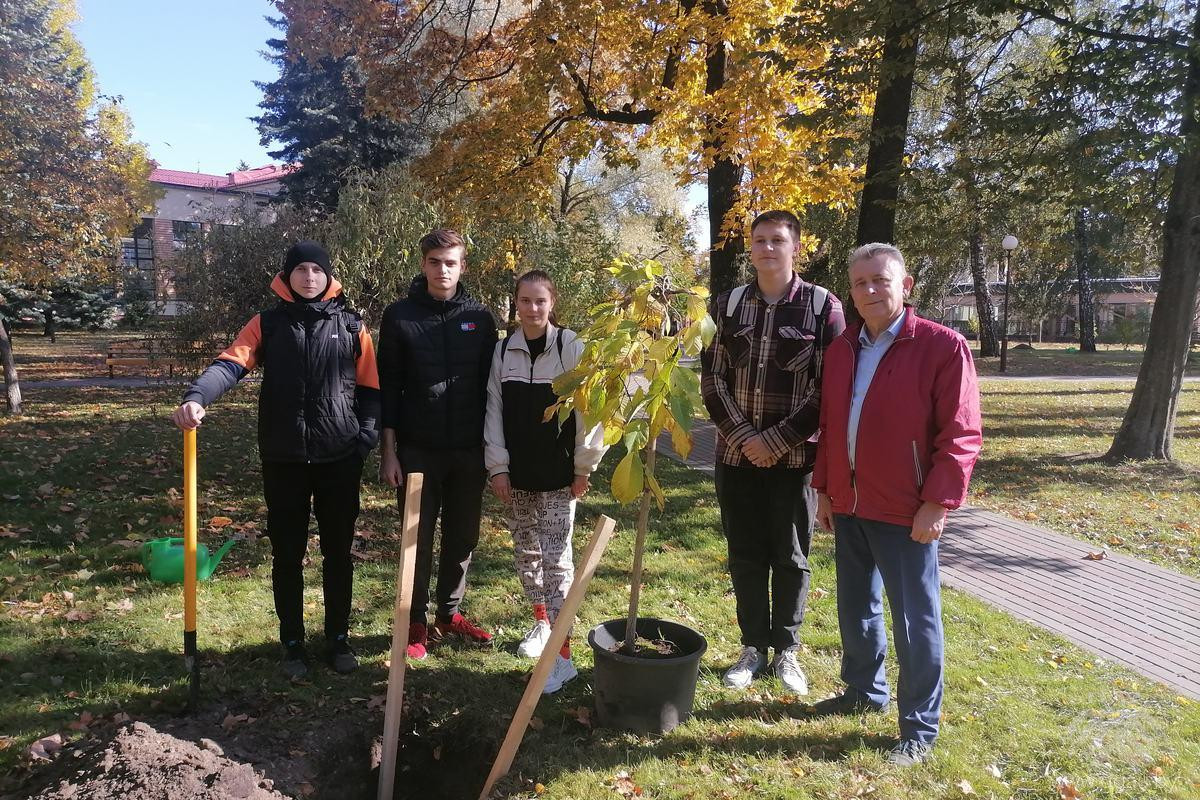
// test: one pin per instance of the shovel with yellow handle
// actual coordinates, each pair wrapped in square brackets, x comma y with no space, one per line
[189,567]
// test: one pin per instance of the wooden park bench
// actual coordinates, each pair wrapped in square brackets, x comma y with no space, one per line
[153,353]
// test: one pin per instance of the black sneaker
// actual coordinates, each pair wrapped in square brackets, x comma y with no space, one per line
[847,704]
[909,752]
[295,660]
[342,657]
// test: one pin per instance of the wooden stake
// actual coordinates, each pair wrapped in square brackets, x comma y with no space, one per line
[558,636]
[400,614]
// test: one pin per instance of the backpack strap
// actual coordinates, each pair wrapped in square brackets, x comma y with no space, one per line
[504,348]
[268,321]
[559,342]
[820,296]
[735,297]
[354,326]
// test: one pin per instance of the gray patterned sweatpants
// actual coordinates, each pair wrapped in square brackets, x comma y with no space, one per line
[542,525]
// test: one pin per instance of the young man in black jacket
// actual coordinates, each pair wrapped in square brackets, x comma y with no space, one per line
[317,410]
[435,352]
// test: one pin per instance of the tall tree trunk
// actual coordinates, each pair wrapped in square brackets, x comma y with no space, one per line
[564,196]
[50,329]
[1149,425]
[1083,274]
[889,126]
[984,310]
[12,386]
[724,176]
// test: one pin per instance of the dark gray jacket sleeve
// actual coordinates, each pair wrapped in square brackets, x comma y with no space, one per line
[221,376]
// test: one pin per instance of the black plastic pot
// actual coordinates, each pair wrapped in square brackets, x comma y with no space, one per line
[645,695]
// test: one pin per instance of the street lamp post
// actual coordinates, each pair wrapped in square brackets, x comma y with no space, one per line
[1009,244]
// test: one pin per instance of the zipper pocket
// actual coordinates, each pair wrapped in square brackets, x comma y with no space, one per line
[917,465]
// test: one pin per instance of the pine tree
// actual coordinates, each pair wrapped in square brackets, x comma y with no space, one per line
[316,112]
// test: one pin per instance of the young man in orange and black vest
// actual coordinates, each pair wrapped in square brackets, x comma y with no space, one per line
[317,414]
[762,388]
[435,353]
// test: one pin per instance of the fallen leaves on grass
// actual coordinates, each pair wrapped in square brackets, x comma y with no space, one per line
[43,749]
[817,593]
[623,785]
[220,522]
[582,715]
[377,701]
[1067,790]
[965,787]
[123,606]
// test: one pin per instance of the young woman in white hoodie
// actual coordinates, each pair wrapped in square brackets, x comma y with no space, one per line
[539,469]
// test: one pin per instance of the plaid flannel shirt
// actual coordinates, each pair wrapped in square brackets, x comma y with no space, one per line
[762,372]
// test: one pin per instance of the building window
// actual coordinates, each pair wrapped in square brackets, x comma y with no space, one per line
[185,233]
[137,255]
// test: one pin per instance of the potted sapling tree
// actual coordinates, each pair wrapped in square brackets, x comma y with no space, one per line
[631,381]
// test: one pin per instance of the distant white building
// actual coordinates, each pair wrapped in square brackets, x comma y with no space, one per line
[191,201]
[1115,299]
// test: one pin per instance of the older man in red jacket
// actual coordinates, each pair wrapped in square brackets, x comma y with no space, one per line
[900,434]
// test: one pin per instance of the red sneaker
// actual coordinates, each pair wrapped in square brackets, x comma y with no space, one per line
[418,637]
[461,626]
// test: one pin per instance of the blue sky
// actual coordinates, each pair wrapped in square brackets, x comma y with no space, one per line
[186,71]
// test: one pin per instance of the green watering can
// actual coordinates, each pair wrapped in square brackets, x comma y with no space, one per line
[163,559]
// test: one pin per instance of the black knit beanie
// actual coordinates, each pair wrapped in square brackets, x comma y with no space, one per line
[300,252]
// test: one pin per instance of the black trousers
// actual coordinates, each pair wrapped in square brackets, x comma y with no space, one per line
[330,490]
[767,516]
[452,488]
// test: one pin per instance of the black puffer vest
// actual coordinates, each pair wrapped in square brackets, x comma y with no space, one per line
[306,404]
[434,361]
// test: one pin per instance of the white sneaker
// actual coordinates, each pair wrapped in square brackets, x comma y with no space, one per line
[535,641]
[787,669]
[747,667]
[563,671]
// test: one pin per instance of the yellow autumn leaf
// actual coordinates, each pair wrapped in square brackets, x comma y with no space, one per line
[628,479]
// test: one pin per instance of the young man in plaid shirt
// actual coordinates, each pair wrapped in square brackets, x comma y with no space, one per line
[762,388]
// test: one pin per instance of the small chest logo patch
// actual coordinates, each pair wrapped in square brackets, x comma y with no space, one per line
[333,336]
[467,326]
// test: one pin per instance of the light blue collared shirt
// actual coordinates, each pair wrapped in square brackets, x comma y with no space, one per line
[868,361]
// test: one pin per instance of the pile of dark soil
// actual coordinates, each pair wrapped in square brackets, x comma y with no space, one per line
[141,763]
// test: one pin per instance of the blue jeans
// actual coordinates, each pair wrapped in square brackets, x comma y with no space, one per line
[873,557]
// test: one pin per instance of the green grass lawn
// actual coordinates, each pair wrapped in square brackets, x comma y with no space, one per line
[1039,464]
[75,354]
[88,474]
[1059,358]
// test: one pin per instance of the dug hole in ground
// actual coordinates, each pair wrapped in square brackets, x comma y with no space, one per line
[216,754]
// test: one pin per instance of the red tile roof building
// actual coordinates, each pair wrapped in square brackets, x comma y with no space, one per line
[191,203]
